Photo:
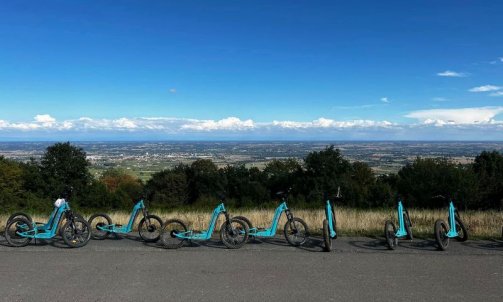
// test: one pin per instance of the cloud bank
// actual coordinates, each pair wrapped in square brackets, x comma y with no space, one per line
[460,123]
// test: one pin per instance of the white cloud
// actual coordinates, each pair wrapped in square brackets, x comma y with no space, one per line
[485,88]
[461,116]
[172,90]
[329,123]
[230,123]
[45,119]
[385,99]
[497,93]
[452,74]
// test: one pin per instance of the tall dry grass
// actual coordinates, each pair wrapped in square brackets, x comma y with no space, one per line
[350,222]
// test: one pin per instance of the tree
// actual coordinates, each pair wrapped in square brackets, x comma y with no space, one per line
[124,186]
[204,179]
[245,185]
[64,165]
[419,181]
[11,183]
[488,168]
[169,188]
[280,175]
[326,170]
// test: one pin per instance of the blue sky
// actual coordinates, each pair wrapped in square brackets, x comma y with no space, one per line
[251,70]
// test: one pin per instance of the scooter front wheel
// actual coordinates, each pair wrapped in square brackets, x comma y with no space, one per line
[326,236]
[390,235]
[16,226]
[97,223]
[441,238]
[247,221]
[150,228]
[234,233]
[76,232]
[296,232]
[169,232]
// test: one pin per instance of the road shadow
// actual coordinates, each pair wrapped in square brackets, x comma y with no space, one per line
[375,245]
[488,246]
[422,245]
[115,236]
[212,243]
[311,245]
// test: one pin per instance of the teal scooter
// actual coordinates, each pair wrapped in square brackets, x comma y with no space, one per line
[76,232]
[149,226]
[295,230]
[404,227]
[454,229]
[233,232]
[330,221]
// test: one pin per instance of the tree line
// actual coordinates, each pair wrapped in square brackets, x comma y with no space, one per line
[35,184]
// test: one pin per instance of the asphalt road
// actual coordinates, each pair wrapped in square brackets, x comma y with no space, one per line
[360,269]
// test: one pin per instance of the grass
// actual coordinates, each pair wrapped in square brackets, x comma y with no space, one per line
[350,222]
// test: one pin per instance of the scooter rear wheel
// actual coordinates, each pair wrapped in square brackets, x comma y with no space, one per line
[20,214]
[15,226]
[234,233]
[407,225]
[441,238]
[326,236]
[168,234]
[390,235]
[76,232]
[151,231]
[99,220]
[296,232]
[461,229]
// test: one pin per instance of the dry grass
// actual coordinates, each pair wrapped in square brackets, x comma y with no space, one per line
[351,222]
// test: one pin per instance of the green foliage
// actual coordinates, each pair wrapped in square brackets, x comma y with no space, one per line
[33,186]
[169,188]
[425,178]
[11,183]
[488,169]
[64,165]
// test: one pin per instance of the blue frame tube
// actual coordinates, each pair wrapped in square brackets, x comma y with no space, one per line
[271,231]
[328,214]
[206,234]
[452,221]
[401,232]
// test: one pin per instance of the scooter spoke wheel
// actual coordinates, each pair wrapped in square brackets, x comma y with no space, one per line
[234,233]
[97,222]
[326,236]
[14,228]
[296,232]
[63,221]
[389,234]
[171,228]
[407,225]
[20,214]
[150,228]
[461,229]
[441,238]
[76,232]
[248,222]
